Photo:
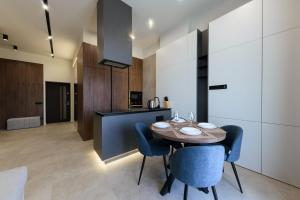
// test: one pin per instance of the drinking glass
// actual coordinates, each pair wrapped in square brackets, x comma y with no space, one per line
[191,117]
[176,116]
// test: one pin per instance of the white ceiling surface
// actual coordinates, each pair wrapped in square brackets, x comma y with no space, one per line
[169,13]
[24,21]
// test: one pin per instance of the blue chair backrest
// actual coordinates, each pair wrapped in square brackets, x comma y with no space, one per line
[199,166]
[233,141]
[143,134]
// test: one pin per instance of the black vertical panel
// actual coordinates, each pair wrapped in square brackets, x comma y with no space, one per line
[202,77]
[75,101]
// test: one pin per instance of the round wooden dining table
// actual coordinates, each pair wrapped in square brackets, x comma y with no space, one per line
[173,133]
[208,136]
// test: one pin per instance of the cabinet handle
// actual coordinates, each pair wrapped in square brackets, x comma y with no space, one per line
[218,87]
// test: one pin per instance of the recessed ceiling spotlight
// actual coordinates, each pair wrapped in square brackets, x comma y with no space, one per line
[150,23]
[50,37]
[132,36]
[44,5]
[5,37]
[15,47]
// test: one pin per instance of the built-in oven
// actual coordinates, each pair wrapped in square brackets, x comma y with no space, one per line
[135,99]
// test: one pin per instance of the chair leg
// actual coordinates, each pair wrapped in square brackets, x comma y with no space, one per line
[204,190]
[142,168]
[165,165]
[214,192]
[186,189]
[236,176]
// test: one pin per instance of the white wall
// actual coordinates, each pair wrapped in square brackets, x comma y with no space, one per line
[56,70]
[199,21]
[137,52]
[176,74]
[91,38]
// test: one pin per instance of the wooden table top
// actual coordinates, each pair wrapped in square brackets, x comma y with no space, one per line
[172,133]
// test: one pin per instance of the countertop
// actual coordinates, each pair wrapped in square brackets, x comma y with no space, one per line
[131,111]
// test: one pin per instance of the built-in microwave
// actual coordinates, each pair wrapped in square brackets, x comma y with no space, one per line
[136,99]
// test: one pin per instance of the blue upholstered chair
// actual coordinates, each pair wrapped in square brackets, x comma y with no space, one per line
[149,146]
[198,166]
[232,144]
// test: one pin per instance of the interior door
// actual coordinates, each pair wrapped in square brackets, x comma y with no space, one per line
[57,102]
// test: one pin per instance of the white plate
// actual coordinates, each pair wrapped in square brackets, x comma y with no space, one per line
[161,125]
[207,125]
[179,120]
[190,131]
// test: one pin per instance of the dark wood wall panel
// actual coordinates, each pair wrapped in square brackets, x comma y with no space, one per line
[96,91]
[136,75]
[94,88]
[100,88]
[80,111]
[2,94]
[119,89]
[21,89]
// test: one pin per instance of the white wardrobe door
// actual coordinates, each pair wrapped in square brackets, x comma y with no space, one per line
[280,153]
[178,82]
[251,143]
[240,68]
[184,48]
[239,26]
[176,74]
[281,82]
[280,15]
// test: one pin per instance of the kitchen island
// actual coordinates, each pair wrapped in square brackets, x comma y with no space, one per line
[114,132]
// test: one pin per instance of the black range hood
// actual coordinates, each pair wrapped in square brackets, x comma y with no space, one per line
[114,25]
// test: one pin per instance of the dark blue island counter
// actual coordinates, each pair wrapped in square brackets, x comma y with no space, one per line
[114,135]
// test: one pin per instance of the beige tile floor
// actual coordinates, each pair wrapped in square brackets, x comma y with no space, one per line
[62,167]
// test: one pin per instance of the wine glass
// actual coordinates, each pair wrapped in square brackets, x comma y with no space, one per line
[191,117]
[176,116]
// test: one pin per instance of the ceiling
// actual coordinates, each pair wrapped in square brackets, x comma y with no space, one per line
[24,21]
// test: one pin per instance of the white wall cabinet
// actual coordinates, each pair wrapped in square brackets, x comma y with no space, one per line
[251,144]
[280,153]
[176,74]
[281,79]
[240,68]
[237,27]
[280,15]
[270,142]
[281,92]
[235,59]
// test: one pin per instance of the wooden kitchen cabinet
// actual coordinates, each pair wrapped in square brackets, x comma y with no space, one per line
[136,75]
[119,89]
